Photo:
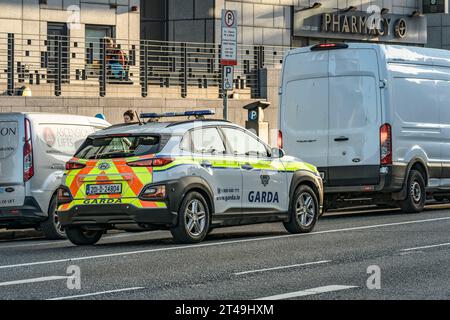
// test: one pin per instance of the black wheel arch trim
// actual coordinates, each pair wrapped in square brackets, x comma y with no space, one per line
[302,176]
[178,189]
[401,195]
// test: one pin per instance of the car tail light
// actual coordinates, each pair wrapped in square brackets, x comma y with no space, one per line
[155,162]
[28,163]
[63,196]
[154,193]
[280,139]
[72,165]
[385,144]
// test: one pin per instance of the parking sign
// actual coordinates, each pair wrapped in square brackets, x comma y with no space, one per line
[229,38]
[228,77]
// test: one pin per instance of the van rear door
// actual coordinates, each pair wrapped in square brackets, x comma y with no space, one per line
[354,118]
[12,188]
[304,107]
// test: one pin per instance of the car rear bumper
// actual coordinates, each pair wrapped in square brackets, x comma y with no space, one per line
[109,215]
[28,214]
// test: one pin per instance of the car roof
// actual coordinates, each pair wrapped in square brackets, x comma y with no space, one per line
[168,128]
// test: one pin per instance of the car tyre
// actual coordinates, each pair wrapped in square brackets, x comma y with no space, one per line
[81,237]
[416,193]
[304,211]
[193,219]
[51,227]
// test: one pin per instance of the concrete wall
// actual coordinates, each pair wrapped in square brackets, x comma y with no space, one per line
[113,108]
[30,18]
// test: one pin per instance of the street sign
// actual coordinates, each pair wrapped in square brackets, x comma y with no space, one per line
[229,38]
[253,115]
[228,77]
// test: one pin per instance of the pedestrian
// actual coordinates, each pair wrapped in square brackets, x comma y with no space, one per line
[128,116]
[116,59]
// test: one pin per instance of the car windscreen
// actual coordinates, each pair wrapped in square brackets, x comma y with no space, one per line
[118,147]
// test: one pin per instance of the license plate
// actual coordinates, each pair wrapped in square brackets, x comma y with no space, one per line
[93,189]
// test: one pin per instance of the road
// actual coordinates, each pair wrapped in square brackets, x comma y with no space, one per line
[411,253]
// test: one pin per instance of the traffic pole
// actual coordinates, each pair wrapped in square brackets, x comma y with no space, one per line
[225,105]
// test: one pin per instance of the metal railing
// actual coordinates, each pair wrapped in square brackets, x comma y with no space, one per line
[60,65]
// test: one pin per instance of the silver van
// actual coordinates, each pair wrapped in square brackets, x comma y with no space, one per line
[34,148]
[374,119]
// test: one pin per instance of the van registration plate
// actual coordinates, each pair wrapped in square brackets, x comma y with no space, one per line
[94,189]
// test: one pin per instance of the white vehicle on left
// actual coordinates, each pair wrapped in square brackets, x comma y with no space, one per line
[34,148]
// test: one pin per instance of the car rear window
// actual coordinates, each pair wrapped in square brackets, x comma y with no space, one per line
[118,147]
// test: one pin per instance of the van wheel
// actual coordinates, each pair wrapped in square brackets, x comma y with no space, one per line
[416,193]
[193,219]
[304,211]
[82,237]
[51,227]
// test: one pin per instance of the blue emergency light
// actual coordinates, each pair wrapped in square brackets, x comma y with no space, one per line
[196,113]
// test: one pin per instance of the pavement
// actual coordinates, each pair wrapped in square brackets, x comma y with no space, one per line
[382,254]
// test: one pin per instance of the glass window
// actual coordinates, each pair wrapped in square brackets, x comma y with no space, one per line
[207,140]
[244,144]
[93,36]
[118,147]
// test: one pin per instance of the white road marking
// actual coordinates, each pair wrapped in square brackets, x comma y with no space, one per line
[35,244]
[427,247]
[34,280]
[203,245]
[97,293]
[67,242]
[307,292]
[284,267]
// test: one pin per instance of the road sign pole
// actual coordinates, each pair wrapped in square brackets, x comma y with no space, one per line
[228,54]
[224,94]
[225,104]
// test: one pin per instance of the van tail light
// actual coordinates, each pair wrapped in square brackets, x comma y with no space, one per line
[280,139]
[28,161]
[63,196]
[385,144]
[155,162]
[72,165]
[329,46]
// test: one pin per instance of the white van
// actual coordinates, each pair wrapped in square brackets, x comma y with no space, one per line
[34,148]
[375,120]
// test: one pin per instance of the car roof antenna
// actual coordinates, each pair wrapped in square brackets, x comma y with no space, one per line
[138,117]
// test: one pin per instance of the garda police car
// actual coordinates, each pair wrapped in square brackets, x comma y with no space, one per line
[184,176]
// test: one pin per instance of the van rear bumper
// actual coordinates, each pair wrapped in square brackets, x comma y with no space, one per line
[28,214]
[390,181]
[108,215]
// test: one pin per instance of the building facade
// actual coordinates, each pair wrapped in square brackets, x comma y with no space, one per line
[291,22]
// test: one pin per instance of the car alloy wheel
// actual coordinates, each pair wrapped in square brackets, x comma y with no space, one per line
[195,218]
[305,209]
[58,227]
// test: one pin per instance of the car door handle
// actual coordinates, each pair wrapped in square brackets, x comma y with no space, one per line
[247,166]
[340,139]
[206,164]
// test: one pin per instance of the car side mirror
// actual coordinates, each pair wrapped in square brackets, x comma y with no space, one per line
[277,153]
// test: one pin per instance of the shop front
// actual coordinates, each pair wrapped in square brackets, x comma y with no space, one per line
[320,26]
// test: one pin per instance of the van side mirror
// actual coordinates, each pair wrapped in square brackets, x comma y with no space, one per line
[277,153]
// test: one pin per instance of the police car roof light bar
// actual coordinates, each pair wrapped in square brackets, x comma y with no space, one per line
[197,114]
